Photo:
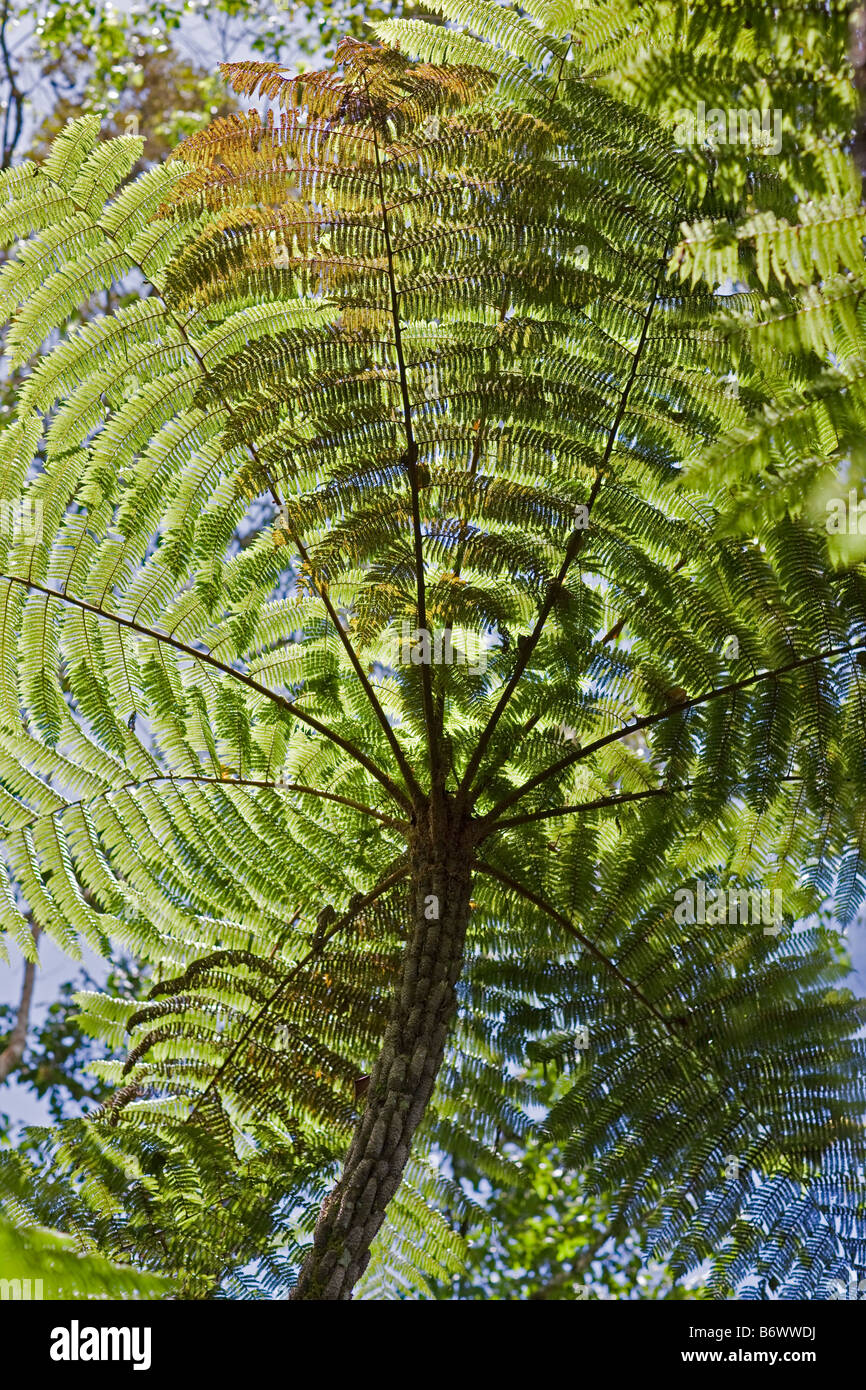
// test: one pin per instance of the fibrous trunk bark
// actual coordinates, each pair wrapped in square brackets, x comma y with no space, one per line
[405,1072]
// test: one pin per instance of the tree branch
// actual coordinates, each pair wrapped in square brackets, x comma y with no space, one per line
[222,782]
[382,887]
[402,763]
[603,801]
[16,96]
[702,1061]
[573,548]
[647,721]
[13,1053]
[590,946]
[411,466]
[226,670]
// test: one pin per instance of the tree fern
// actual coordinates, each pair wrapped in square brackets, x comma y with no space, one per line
[409,359]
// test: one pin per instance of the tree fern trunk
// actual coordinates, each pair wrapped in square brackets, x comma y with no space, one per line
[405,1072]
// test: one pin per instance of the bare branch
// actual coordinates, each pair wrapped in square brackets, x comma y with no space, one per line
[13,1053]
